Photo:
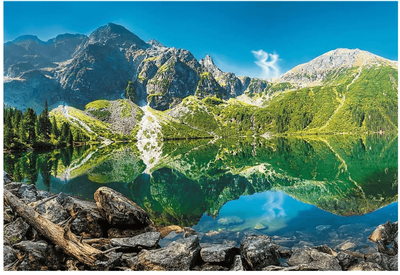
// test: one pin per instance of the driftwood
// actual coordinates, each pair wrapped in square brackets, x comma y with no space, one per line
[61,236]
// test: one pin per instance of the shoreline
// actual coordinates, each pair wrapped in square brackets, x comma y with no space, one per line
[128,240]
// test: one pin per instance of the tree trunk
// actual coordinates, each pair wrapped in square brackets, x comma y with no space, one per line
[63,237]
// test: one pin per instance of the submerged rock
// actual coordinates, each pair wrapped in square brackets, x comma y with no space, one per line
[143,241]
[179,255]
[258,252]
[119,210]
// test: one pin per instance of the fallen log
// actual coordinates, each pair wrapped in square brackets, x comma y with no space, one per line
[63,237]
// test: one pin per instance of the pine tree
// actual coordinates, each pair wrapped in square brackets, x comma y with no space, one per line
[29,122]
[54,129]
[44,124]
[8,130]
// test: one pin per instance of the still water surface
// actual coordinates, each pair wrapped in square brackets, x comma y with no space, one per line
[319,189]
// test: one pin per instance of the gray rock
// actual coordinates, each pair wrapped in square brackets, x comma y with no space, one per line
[314,259]
[28,193]
[42,194]
[35,254]
[346,260]
[144,241]
[232,220]
[15,232]
[52,211]
[210,267]
[385,232]
[386,262]
[219,253]
[124,233]
[9,255]
[6,178]
[188,231]
[325,249]
[237,264]
[258,252]
[177,256]
[88,221]
[366,266]
[119,210]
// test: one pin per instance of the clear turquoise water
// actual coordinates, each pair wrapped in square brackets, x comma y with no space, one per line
[309,189]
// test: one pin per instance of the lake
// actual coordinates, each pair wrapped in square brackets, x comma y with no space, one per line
[306,190]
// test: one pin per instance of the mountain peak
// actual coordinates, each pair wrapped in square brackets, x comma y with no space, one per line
[331,61]
[27,38]
[116,33]
[208,63]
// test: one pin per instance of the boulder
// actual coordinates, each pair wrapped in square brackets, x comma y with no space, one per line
[42,194]
[347,245]
[219,254]
[180,255]
[210,267]
[88,221]
[6,178]
[52,211]
[385,232]
[164,231]
[237,264]
[188,231]
[35,254]
[28,192]
[143,241]
[314,259]
[15,232]
[9,255]
[386,262]
[366,266]
[346,260]
[258,252]
[119,210]
[302,267]
[325,249]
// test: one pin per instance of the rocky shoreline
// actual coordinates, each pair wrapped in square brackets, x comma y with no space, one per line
[114,233]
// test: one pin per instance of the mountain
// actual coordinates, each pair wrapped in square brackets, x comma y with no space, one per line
[111,63]
[342,91]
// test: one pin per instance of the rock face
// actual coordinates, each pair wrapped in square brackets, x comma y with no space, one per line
[366,266]
[258,252]
[177,256]
[111,63]
[15,232]
[119,210]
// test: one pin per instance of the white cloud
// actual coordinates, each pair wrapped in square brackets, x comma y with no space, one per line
[269,67]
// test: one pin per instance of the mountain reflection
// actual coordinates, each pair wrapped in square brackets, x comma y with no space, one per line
[345,175]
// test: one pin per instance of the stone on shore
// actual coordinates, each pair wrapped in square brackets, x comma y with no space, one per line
[164,231]
[88,221]
[9,255]
[125,233]
[119,210]
[52,211]
[133,244]
[386,262]
[258,252]
[366,266]
[219,254]
[385,232]
[346,260]
[35,254]
[237,264]
[180,255]
[15,232]
[314,259]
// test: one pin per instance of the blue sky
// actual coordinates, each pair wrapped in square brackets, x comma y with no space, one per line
[233,33]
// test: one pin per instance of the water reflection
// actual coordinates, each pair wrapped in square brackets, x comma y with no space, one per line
[229,184]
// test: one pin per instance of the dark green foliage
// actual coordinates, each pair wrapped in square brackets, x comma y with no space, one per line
[100,114]
[130,90]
